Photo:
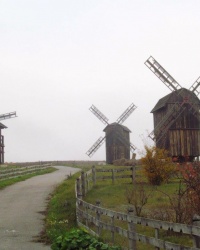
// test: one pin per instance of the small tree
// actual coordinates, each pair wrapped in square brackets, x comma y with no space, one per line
[158,166]
[138,197]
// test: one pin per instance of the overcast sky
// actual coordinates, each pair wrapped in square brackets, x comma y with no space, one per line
[58,57]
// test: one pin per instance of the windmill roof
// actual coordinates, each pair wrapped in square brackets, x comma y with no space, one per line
[2,125]
[164,100]
[117,124]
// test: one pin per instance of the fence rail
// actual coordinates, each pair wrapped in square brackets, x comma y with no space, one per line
[19,171]
[90,217]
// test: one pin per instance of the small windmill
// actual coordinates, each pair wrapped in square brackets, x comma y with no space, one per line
[176,116]
[117,136]
[4,117]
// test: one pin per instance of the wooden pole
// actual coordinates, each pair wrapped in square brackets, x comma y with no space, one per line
[94,175]
[83,183]
[133,174]
[157,237]
[113,176]
[98,203]
[132,230]
[86,183]
[196,239]
[113,231]
[78,188]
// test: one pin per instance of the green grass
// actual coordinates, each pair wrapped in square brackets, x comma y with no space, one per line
[61,211]
[12,181]
[114,197]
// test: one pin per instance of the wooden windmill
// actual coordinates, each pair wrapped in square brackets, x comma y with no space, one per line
[4,117]
[117,136]
[176,116]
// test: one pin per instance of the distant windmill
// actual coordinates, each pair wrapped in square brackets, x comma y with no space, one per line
[176,116]
[117,136]
[4,117]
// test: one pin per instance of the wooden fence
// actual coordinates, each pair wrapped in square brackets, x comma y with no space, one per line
[96,219]
[19,171]
[89,179]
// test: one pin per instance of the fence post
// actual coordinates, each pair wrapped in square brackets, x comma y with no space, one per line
[94,175]
[133,174]
[98,203]
[157,237]
[79,196]
[83,183]
[196,239]
[113,231]
[86,183]
[86,217]
[78,188]
[113,176]
[131,229]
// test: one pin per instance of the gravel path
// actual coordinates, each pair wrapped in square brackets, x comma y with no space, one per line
[21,207]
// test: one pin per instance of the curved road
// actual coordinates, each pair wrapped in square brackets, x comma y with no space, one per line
[21,207]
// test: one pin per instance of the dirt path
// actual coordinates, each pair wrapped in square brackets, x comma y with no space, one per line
[20,210]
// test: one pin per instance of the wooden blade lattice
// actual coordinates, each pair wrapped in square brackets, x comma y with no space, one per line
[95,146]
[98,114]
[162,74]
[126,113]
[8,116]
[196,87]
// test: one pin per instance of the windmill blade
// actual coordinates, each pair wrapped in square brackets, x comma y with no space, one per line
[195,110]
[126,113]
[95,146]
[162,74]
[132,147]
[194,107]
[195,88]
[8,116]
[163,126]
[99,115]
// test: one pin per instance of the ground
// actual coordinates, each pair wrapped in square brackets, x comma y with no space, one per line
[21,210]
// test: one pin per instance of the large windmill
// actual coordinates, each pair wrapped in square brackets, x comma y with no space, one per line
[4,117]
[117,136]
[176,116]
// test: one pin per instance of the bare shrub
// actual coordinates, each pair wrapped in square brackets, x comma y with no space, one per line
[138,197]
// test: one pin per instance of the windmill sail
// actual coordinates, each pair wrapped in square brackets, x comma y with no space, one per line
[126,113]
[8,115]
[195,88]
[98,114]
[95,146]
[162,74]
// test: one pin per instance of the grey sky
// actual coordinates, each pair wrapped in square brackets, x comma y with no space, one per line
[57,58]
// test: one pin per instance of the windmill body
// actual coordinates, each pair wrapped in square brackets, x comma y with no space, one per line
[2,126]
[176,117]
[117,136]
[182,139]
[116,146]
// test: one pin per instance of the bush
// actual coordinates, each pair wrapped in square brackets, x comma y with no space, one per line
[79,239]
[191,178]
[158,166]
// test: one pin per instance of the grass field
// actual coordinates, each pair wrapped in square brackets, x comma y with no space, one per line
[61,214]
[115,197]
[8,182]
